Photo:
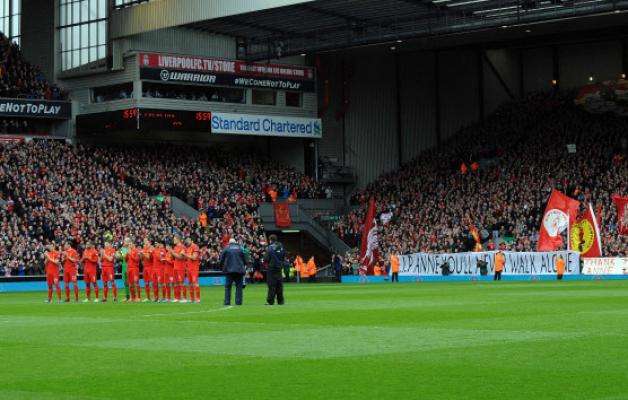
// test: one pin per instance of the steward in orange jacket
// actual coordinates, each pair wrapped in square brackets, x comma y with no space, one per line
[500,262]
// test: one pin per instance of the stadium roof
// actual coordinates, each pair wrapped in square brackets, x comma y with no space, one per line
[331,24]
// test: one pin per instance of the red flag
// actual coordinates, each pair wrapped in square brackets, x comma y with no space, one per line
[282,215]
[622,213]
[369,246]
[585,235]
[560,210]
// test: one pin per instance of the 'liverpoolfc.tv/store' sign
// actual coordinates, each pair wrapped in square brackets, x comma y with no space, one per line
[219,72]
[23,108]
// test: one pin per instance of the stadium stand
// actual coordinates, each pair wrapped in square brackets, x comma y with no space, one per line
[20,79]
[496,177]
[79,194]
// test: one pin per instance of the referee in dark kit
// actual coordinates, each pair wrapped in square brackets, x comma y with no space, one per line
[275,259]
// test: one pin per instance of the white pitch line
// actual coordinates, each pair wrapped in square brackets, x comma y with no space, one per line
[189,312]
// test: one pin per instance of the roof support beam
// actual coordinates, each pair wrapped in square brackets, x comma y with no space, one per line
[162,14]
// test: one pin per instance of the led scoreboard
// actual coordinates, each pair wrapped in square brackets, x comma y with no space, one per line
[140,119]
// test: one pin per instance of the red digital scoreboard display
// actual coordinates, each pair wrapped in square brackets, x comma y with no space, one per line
[138,119]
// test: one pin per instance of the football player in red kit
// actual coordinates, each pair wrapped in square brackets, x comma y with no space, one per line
[90,269]
[147,271]
[133,270]
[159,253]
[52,264]
[70,269]
[192,266]
[108,255]
[179,258]
[168,274]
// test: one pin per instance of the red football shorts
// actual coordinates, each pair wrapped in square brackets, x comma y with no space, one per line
[168,275]
[69,275]
[89,275]
[107,275]
[147,275]
[133,275]
[157,276]
[52,278]
[192,275]
[179,275]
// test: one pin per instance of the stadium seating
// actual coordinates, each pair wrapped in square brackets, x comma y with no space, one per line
[511,163]
[20,79]
[78,194]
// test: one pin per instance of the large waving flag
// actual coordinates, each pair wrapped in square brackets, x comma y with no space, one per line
[622,213]
[585,235]
[560,210]
[369,246]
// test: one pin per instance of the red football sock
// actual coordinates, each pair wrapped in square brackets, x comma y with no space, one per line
[147,291]
[76,292]
[156,291]
[49,293]
[88,291]
[132,292]
[192,293]
[106,290]
[198,292]
[185,291]
[115,292]
[96,290]
[58,292]
[138,291]
[177,292]
[67,293]
[169,292]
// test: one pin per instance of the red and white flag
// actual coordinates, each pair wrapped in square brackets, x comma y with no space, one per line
[585,235]
[369,246]
[622,213]
[560,210]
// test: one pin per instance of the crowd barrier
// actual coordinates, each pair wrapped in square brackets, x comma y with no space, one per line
[355,279]
[466,264]
[520,266]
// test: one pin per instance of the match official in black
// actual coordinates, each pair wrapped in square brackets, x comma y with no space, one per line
[233,262]
[275,259]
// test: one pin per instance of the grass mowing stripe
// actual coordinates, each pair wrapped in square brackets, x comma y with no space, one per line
[508,340]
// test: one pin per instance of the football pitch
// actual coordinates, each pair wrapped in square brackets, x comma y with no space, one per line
[511,340]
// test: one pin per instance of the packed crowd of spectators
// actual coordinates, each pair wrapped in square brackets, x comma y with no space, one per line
[80,194]
[496,177]
[20,79]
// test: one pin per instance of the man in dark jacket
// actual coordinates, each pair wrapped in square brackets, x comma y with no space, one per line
[275,259]
[233,264]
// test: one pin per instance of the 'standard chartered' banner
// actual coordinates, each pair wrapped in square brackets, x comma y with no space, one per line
[219,72]
[24,108]
[605,266]
[517,263]
[266,125]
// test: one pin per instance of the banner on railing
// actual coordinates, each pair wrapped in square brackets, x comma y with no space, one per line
[605,266]
[517,263]
[282,215]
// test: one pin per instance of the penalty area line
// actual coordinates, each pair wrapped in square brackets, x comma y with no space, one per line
[189,312]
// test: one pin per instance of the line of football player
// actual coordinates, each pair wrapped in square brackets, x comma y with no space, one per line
[169,272]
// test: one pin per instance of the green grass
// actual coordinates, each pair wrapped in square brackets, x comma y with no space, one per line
[541,340]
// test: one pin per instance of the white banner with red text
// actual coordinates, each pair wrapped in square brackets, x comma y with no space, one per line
[466,264]
[605,266]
